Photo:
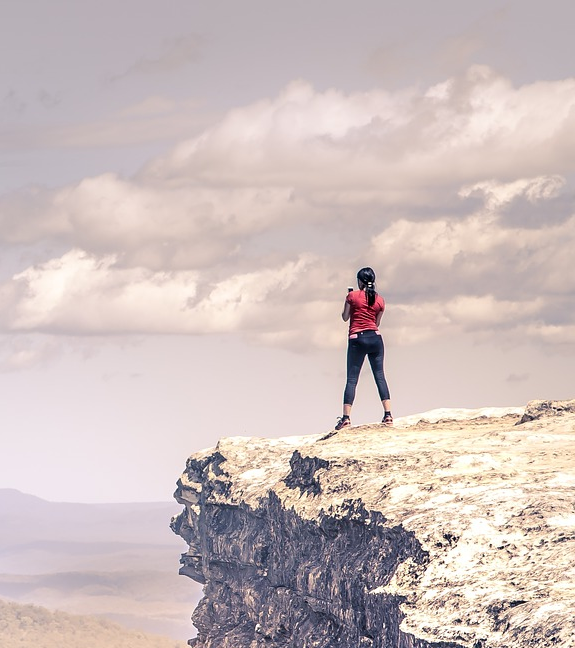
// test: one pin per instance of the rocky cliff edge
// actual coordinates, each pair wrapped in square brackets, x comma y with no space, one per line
[448,531]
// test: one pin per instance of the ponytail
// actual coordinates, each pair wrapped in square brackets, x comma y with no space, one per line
[367,278]
[370,293]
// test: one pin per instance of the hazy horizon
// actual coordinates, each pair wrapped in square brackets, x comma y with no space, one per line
[118,561]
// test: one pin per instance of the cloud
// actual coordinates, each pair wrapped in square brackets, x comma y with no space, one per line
[47,99]
[12,104]
[441,54]
[478,275]
[517,378]
[176,53]
[19,353]
[459,196]
[151,226]
[154,119]
[82,293]
[478,253]
[469,128]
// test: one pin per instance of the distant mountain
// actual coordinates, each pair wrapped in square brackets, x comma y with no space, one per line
[37,536]
[116,560]
[139,523]
[28,626]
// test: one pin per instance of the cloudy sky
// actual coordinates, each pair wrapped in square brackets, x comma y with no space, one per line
[187,189]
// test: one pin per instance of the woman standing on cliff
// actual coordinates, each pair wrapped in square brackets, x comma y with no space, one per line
[364,308]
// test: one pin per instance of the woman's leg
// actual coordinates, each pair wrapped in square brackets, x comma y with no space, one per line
[375,355]
[355,357]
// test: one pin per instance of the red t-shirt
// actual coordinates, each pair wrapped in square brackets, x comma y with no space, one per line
[362,316]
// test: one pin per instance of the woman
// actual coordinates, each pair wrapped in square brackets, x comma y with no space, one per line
[364,308]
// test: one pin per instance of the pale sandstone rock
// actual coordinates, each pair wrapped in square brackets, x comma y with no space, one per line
[444,531]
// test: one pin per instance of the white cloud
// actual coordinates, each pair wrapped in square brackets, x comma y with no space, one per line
[486,311]
[497,195]
[470,128]
[475,274]
[562,337]
[18,352]
[156,227]
[477,253]
[415,323]
[257,224]
[81,293]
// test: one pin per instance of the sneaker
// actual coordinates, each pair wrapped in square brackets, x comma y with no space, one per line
[387,419]
[342,422]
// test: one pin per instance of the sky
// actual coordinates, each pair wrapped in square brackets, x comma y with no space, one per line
[188,188]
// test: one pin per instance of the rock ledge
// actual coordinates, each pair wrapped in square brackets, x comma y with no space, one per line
[450,531]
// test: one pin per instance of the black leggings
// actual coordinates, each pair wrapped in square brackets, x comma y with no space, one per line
[370,344]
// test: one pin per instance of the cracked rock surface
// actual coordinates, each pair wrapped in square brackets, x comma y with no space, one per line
[445,531]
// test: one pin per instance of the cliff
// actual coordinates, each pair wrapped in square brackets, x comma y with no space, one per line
[449,533]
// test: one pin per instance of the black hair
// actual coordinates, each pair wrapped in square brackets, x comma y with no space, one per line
[367,277]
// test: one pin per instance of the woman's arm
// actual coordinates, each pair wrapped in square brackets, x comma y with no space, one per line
[378,318]
[346,312]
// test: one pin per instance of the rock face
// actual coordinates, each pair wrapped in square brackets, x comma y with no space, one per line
[449,533]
